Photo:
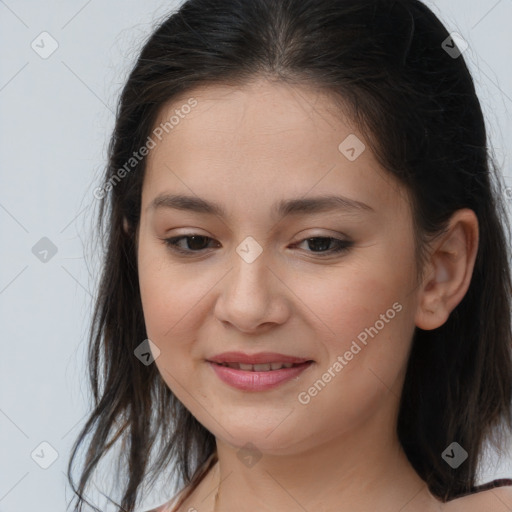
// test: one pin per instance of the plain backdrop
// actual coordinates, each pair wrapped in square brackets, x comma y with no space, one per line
[62,67]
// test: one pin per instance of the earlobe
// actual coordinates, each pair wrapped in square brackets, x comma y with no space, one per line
[449,272]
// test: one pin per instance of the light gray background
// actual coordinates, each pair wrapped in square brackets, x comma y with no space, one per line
[57,115]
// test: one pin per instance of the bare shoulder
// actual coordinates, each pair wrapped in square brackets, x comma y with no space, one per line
[197,499]
[162,508]
[498,499]
[169,506]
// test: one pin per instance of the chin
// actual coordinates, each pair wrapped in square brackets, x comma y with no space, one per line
[274,439]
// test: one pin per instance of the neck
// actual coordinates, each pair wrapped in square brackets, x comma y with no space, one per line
[364,469]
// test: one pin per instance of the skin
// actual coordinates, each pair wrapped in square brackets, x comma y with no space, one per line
[247,148]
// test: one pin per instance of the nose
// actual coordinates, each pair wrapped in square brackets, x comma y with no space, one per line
[253,297]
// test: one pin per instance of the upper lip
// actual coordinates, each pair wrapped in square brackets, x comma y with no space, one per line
[259,358]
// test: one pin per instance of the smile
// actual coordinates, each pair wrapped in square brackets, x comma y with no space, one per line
[258,367]
[258,377]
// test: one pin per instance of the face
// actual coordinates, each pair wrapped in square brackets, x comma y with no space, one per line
[331,286]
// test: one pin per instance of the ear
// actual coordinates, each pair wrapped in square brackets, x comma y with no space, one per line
[126,226]
[448,271]
[128,229]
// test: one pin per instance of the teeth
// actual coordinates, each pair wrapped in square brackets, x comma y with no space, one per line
[258,367]
[261,367]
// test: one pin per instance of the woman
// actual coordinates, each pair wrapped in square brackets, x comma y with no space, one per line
[305,301]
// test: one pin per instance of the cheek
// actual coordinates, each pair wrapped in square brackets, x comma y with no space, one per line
[348,300]
[362,313]
[168,292]
[165,304]
[174,301]
[364,360]
[164,300]
[168,312]
[154,294]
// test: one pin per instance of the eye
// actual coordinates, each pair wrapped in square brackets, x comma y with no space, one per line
[318,243]
[195,243]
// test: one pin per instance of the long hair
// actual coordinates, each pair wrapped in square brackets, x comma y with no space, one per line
[390,65]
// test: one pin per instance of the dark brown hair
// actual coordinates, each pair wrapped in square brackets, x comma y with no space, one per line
[417,107]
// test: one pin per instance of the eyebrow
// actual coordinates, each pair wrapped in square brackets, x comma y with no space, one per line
[280,210]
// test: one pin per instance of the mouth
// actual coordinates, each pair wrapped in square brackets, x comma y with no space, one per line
[259,359]
[257,372]
[265,367]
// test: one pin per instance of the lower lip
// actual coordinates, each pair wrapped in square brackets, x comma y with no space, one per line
[257,381]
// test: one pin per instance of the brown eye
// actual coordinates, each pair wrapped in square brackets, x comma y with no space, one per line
[321,245]
[193,243]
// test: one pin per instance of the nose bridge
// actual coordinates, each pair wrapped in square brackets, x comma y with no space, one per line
[250,296]
[249,278]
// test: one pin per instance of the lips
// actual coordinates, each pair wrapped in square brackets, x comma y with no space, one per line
[257,372]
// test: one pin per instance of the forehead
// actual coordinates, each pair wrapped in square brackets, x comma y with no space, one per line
[266,113]
[262,141]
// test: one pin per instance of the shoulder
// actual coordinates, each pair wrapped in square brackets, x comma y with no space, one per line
[158,509]
[169,506]
[166,507]
[498,499]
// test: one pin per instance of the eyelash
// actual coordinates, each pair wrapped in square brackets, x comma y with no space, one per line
[343,245]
